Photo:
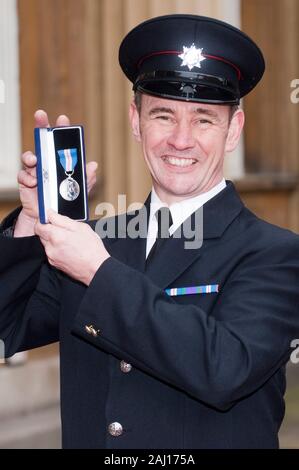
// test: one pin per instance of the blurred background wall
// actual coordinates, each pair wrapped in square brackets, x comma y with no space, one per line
[68,63]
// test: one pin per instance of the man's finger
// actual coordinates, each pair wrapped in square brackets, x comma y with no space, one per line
[63,121]
[43,241]
[41,119]
[90,184]
[61,221]
[42,231]
[51,235]
[26,179]
[91,170]
[29,160]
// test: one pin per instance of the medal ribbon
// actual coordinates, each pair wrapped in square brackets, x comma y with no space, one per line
[209,289]
[68,159]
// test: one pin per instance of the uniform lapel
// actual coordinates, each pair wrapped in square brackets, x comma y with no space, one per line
[173,258]
[131,251]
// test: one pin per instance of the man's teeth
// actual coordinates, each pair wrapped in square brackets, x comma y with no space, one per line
[179,161]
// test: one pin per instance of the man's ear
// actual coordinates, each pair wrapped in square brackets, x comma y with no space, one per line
[135,121]
[234,131]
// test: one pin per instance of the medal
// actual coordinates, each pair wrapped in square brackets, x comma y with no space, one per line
[69,189]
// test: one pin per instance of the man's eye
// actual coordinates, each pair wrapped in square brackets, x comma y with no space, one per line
[205,121]
[164,118]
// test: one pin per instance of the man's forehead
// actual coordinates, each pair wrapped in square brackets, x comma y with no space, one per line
[152,103]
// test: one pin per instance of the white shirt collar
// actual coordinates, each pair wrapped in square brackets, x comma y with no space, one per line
[180,211]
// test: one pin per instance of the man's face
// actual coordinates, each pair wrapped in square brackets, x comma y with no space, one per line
[184,144]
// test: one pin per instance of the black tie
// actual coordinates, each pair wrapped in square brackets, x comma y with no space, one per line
[165,221]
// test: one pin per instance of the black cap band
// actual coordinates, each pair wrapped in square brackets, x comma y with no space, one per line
[187,86]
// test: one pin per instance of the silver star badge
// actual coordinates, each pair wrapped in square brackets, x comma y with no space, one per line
[192,57]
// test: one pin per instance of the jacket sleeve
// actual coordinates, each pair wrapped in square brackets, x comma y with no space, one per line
[29,300]
[217,358]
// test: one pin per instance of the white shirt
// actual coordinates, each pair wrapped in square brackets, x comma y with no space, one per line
[180,211]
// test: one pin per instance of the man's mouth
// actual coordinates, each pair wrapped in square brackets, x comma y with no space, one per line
[179,162]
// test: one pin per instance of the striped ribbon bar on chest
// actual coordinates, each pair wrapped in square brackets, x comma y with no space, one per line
[208,289]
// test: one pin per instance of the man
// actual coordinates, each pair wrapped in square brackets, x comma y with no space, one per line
[163,346]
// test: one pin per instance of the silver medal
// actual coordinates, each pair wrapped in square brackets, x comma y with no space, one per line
[69,189]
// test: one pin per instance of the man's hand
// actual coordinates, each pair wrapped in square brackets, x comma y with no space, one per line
[73,247]
[28,182]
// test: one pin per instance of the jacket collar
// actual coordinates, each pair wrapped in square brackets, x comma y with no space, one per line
[173,258]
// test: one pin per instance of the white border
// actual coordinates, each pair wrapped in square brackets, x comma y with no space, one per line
[10,129]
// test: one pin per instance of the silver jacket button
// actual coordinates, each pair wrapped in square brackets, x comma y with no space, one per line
[115,429]
[125,367]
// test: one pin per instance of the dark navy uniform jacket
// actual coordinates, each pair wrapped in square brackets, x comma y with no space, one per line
[208,370]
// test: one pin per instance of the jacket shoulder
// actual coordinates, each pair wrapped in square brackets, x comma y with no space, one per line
[268,230]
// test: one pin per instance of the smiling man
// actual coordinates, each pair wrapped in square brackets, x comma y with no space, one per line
[163,346]
[184,144]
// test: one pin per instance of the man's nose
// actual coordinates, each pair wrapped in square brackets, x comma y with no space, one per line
[181,137]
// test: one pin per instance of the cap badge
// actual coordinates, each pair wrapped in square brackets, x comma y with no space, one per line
[192,57]
[188,90]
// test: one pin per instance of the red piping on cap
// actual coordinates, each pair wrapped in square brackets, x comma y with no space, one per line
[208,56]
[226,62]
[157,53]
